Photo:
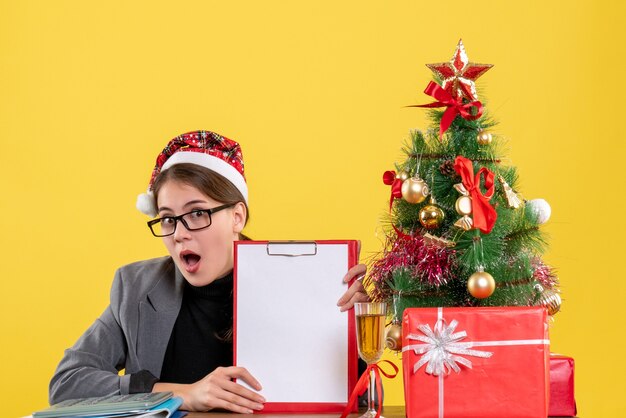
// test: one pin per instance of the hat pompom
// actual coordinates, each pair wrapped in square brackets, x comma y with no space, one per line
[146,204]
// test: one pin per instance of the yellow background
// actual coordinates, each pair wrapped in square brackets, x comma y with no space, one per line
[314,91]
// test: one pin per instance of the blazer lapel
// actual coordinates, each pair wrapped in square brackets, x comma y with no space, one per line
[157,316]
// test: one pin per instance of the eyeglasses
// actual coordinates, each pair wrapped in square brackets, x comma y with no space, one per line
[195,220]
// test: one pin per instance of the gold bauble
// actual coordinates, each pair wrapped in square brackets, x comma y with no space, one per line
[484,137]
[431,216]
[481,285]
[393,341]
[463,205]
[414,190]
[403,175]
[551,300]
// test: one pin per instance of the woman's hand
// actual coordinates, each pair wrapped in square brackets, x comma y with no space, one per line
[217,390]
[356,292]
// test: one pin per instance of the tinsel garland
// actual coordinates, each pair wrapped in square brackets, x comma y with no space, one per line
[436,264]
[544,274]
[430,264]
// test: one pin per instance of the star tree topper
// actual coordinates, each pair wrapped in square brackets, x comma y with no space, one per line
[459,74]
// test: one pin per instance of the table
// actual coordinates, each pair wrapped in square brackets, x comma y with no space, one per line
[388,412]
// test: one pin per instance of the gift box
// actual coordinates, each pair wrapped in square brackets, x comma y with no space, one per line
[562,403]
[476,362]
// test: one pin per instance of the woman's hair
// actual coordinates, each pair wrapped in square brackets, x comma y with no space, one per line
[207,181]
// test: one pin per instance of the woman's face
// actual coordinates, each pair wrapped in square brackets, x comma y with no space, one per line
[204,255]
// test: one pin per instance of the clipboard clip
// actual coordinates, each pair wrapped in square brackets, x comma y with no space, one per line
[291,248]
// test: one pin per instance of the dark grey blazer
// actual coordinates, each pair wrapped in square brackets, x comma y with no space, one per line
[131,334]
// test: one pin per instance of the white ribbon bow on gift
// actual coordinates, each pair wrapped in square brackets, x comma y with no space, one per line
[440,348]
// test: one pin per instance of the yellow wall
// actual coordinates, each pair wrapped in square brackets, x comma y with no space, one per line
[314,91]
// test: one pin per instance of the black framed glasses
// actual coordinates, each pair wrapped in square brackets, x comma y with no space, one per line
[195,220]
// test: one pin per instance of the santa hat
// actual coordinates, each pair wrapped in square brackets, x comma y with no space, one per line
[204,148]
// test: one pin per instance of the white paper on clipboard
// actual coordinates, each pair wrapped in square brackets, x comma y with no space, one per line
[289,333]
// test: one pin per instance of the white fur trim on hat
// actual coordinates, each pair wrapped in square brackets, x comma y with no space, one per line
[212,163]
[146,204]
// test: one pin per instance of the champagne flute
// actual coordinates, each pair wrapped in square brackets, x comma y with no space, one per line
[370,324]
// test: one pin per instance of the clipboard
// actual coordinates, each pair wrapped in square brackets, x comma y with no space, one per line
[288,331]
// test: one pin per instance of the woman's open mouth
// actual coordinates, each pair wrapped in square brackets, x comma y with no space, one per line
[190,261]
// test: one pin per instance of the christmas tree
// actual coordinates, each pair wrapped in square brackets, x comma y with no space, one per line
[459,232]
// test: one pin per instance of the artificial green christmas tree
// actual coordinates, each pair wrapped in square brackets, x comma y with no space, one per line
[459,232]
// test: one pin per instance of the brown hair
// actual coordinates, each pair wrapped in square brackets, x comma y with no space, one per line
[207,181]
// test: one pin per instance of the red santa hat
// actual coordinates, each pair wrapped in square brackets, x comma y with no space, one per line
[204,148]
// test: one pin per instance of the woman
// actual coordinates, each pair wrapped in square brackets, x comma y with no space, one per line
[169,322]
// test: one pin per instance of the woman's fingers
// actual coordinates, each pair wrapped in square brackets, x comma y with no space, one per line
[240,390]
[356,293]
[357,272]
[239,395]
[242,373]
[231,395]
[231,406]
[357,297]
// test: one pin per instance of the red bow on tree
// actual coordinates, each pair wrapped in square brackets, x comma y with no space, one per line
[389,178]
[455,106]
[483,214]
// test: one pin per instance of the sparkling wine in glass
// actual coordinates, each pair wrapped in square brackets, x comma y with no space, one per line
[370,325]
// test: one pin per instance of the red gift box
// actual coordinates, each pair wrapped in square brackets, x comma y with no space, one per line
[476,362]
[562,403]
